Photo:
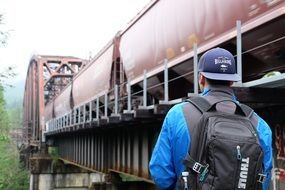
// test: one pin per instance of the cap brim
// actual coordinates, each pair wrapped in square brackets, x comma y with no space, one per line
[220,76]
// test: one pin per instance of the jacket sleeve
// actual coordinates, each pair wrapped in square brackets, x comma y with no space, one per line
[265,137]
[171,147]
[161,164]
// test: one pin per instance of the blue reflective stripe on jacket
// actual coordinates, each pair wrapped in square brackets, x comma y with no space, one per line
[172,146]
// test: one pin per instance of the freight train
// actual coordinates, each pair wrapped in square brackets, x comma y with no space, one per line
[152,61]
[166,30]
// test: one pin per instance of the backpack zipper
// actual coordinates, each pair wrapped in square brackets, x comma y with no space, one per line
[239,158]
[238,152]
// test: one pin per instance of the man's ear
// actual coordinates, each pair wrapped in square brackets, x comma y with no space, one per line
[202,79]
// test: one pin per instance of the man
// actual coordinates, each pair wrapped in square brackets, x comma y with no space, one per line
[217,72]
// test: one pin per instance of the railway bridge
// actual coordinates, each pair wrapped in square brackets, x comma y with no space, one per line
[93,123]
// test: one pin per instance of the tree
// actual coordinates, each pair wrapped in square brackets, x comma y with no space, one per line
[3,34]
[5,75]
[9,72]
[12,173]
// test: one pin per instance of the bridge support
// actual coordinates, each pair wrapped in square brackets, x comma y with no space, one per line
[49,174]
[78,181]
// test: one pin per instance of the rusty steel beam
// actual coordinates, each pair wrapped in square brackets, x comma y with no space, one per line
[58,73]
[43,78]
[126,149]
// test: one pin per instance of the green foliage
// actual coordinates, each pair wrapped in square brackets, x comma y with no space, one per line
[4,137]
[53,152]
[12,174]
[15,114]
[4,121]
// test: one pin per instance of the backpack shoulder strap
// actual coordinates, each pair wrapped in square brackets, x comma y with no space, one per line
[200,103]
[249,112]
[204,105]
[193,111]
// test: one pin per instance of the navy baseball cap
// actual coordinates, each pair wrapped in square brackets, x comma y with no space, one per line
[218,64]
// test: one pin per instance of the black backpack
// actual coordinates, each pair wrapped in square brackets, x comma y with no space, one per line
[225,153]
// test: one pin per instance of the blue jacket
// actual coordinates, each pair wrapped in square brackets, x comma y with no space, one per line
[172,146]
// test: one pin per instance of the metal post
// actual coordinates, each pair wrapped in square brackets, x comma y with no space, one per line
[97,108]
[70,118]
[106,104]
[65,120]
[74,116]
[195,69]
[62,121]
[166,93]
[116,99]
[90,111]
[144,89]
[239,46]
[129,95]
[79,115]
[84,113]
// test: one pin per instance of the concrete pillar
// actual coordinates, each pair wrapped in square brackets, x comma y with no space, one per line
[78,181]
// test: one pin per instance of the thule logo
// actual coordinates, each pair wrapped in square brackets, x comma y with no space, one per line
[243,173]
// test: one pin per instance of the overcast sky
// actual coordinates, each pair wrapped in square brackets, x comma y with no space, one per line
[60,27]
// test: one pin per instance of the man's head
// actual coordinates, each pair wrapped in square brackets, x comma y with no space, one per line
[217,66]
